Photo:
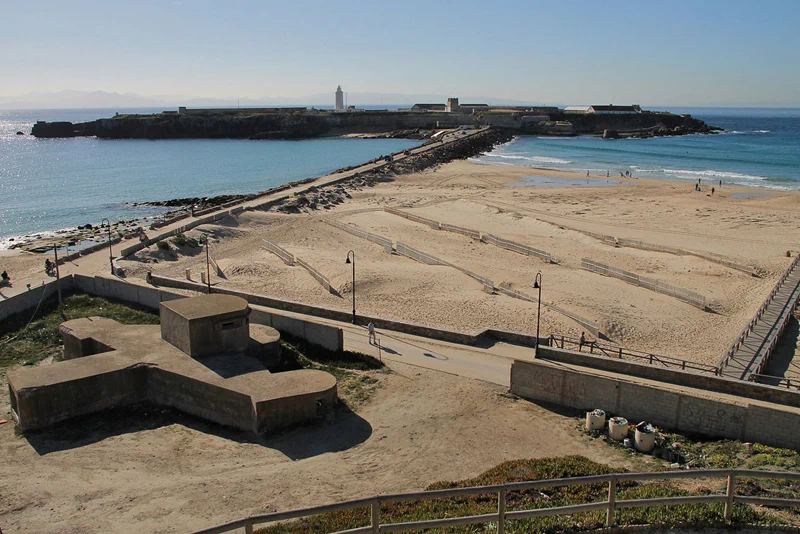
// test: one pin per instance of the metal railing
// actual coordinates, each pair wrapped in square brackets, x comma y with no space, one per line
[610,505]
[611,351]
[778,381]
[748,329]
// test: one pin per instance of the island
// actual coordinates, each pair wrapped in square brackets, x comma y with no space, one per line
[608,121]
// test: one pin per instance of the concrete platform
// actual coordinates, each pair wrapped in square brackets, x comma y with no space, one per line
[137,365]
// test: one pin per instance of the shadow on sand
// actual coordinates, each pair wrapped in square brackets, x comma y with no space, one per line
[335,431]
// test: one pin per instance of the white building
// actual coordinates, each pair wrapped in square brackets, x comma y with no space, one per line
[604,110]
[339,99]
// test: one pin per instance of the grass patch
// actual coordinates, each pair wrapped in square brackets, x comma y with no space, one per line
[41,339]
[534,469]
[356,373]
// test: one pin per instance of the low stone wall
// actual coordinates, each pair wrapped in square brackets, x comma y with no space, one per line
[30,299]
[673,376]
[680,411]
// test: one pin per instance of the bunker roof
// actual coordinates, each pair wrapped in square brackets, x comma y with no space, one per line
[207,306]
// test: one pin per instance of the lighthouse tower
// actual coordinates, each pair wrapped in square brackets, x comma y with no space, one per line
[339,99]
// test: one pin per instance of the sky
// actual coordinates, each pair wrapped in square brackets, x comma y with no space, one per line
[682,53]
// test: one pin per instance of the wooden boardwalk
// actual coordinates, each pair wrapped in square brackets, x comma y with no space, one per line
[750,352]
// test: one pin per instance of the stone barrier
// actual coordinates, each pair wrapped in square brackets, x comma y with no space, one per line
[30,299]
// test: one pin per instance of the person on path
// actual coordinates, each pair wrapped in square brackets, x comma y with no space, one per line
[48,266]
[371,330]
[582,341]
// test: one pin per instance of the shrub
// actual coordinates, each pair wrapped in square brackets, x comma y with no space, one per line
[163,245]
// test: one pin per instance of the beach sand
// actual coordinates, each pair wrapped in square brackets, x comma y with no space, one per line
[752,232]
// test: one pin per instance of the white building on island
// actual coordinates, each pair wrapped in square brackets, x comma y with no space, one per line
[339,99]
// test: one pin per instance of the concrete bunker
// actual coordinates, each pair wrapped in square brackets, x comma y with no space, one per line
[205,359]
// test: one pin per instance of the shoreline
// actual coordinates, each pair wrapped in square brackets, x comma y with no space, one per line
[80,237]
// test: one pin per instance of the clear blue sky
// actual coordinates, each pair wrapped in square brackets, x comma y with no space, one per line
[699,52]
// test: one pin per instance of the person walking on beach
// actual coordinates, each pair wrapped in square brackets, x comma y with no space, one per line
[371,330]
[720,183]
[712,191]
[587,174]
[606,174]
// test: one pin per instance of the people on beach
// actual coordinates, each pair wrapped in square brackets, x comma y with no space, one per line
[4,278]
[720,183]
[371,330]
[582,341]
[606,174]
[712,191]
[587,174]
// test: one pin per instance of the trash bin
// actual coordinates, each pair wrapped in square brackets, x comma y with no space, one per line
[618,428]
[595,420]
[645,437]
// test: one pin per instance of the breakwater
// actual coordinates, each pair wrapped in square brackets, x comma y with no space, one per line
[294,124]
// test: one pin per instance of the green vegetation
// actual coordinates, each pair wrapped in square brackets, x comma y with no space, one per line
[535,469]
[41,339]
[356,373]
[180,240]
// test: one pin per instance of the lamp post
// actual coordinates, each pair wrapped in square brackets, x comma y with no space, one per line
[208,269]
[110,254]
[537,284]
[354,281]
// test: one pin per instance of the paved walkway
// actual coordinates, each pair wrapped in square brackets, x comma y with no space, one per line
[757,347]
[97,262]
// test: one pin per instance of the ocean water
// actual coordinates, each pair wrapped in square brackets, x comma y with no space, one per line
[759,148]
[52,184]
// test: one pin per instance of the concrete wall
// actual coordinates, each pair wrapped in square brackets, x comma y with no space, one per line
[328,337]
[215,403]
[30,299]
[682,411]
[708,382]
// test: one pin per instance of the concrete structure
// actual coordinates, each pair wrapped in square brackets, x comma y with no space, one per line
[672,406]
[339,99]
[133,364]
[208,325]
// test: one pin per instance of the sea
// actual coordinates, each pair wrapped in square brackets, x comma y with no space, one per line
[759,147]
[47,185]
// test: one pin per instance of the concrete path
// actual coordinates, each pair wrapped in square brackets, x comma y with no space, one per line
[98,262]
[748,357]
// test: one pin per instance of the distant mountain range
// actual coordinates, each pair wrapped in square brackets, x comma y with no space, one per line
[104,99]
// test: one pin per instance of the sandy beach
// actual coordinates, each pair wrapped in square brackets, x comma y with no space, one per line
[753,232]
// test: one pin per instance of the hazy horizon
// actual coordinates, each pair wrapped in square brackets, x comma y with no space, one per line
[715,53]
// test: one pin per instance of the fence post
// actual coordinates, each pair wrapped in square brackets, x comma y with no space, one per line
[376,516]
[620,353]
[729,495]
[248,528]
[501,511]
[612,502]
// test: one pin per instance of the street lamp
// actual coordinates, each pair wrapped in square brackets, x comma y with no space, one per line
[110,254]
[354,281]
[537,284]
[208,269]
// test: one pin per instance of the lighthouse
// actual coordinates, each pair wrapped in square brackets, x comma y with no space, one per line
[339,99]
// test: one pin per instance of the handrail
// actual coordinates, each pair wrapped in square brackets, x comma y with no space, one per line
[621,353]
[610,505]
[745,333]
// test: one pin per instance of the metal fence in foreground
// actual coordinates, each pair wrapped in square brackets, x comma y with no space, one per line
[610,505]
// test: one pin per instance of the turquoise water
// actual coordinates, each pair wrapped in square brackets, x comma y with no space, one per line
[52,184]
[760,148]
